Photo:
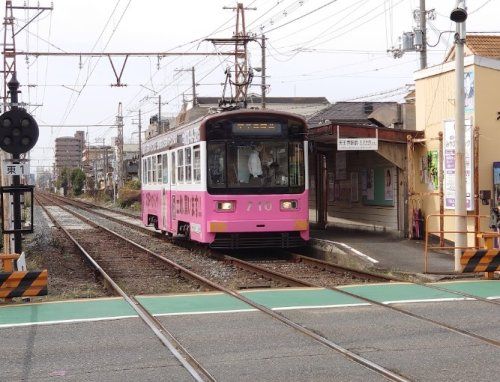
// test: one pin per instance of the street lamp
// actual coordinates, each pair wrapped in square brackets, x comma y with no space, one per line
[459,15]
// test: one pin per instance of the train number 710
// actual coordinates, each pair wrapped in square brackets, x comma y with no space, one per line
[266,206]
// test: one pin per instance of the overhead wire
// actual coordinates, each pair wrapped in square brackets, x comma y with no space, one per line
[328,18]
[98,59]
[301,17]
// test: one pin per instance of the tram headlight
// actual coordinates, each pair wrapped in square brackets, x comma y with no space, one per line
[225,206]
[289,205]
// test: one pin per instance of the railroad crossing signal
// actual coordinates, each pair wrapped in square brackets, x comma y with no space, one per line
[18,131]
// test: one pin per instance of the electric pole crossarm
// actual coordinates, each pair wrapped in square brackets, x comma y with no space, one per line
[118,76]
[33,18]
[117,54]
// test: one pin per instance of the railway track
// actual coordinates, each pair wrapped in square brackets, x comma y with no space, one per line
[196,370]
[303,281]
[356,276]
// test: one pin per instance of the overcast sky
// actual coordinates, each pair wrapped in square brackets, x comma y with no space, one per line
[337,52]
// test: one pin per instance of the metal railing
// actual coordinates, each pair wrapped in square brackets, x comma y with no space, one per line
[442,232]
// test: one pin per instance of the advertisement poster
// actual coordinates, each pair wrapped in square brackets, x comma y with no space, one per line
[496,183]
[370,184]
[449,165]
[423,169]
[389,183]
[469,92]
[341,165]
[354,187]
[432,176]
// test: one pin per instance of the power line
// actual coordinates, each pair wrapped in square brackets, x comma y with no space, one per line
[300,17]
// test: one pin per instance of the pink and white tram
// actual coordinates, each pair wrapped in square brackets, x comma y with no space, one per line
[237,179]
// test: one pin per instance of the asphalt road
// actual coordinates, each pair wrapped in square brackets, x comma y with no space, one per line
[248,346]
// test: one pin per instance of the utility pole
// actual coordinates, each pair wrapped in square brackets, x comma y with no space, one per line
[119,156]
[263,71]
[423,26]
[193,79]
[459,15]
[416,41]
[139,125]
[9,75]
[193,83]
[240,40]
[139,167]
[159,115]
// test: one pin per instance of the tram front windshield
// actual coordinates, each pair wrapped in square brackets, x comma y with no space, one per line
[241,164]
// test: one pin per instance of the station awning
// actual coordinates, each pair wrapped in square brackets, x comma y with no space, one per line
[328,133]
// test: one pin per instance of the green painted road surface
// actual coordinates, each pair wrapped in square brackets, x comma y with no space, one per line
[65,311]
[212,303]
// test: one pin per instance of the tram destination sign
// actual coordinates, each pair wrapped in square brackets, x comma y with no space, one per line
[256,128]
[349,144]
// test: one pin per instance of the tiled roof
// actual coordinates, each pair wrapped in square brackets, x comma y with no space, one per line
[348,112]
[484,45]
[479,45]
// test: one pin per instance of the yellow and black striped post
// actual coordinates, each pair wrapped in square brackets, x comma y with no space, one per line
[20,283]
[481,260]
[23,284]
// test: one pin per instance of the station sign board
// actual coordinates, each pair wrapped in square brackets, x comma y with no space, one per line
[9,168]
[346,144]
[357,144]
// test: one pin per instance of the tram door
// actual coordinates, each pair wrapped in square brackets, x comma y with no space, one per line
[172,204]
[321,190]
[164,193]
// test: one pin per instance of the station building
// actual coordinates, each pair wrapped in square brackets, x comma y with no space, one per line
[360,187]
[432,164]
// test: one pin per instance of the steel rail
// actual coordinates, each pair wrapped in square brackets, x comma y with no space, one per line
[336,268]
[322,340]
[187,360]
[301,257]
[375,302]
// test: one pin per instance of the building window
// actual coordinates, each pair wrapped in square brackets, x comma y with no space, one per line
[197,164]
[180,166]
[187,152]
[165,168]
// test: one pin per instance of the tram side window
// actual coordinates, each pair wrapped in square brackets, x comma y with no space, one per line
[296,163]
[153,169]
[159,171]
[144,171]
[196,164]
[172,174]
[180,165]
[165,168]
[187,152]
[149,170]
[216,165]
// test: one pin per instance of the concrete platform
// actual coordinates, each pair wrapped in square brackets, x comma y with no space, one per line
[378,250]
